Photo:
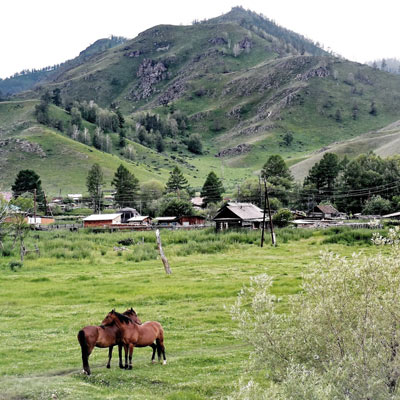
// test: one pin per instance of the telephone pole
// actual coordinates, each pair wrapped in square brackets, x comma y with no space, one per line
[34,206]
[267,204]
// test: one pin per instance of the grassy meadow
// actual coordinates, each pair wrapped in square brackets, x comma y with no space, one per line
[80,277]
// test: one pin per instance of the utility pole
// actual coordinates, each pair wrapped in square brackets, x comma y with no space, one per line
[34,206]
[48,208]
[267,204]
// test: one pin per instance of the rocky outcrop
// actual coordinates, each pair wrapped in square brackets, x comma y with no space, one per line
[150,73]
[234,151]
[320,72]
[235,113]
[245,44]
[200,116]
[134,53]
[220,41]
[173,92]
[21,145]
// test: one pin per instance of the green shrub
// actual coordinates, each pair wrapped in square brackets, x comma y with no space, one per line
[14,265]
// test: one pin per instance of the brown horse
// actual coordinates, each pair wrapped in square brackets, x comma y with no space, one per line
[102,336]
[134,335]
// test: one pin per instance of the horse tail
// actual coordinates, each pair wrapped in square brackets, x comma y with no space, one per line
[160,344]
[85,351]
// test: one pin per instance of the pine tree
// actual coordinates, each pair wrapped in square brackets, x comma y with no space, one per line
[94,182]
[176,181]
[212,189]
[126,186]
[28,180]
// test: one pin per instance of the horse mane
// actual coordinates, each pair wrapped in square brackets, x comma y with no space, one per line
[132,312]
[123,318]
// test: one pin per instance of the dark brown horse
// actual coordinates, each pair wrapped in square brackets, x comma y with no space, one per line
[134,335]
[103,336]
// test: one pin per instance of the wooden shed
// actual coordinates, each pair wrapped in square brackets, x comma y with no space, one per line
[190,220]
[143,220]
[101,220]
[239,215]
[324,211]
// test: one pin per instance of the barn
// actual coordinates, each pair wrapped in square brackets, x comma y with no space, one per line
[143,220]
[101,220]
[239,215]
[324,211]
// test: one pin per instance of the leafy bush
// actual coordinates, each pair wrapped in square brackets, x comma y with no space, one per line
[282,217]
[340,339]
[377,206]
[14,265]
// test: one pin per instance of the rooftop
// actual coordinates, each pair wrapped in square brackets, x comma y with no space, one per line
[101,217]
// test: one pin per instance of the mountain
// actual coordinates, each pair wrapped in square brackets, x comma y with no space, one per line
[27,79]
[248,87]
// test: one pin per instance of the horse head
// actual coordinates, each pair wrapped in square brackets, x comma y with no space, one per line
[131,313]
[110,318]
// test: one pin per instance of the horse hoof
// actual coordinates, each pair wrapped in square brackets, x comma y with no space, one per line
[164,362]
[130,367]
[122,367]
[86,372]
[153,361]
[108,366]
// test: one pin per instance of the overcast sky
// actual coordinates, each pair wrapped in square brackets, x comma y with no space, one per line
[37,33]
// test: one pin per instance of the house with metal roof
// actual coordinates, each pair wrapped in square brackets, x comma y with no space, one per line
[324,211]
[239,215]
[101,220]
[143,220]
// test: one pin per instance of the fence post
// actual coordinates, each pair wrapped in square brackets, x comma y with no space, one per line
[163,258]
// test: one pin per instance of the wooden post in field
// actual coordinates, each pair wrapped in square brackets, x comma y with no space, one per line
[163,258]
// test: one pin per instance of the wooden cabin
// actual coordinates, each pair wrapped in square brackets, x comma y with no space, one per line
[143,220]
[191,220]
[239,215]
[324,211]
[101,220]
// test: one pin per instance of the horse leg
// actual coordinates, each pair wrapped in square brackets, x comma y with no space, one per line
[154,347]
[126,356]
[110,351]
[162,348]
[120,356]
[85,351]
[130,355]
[158,349]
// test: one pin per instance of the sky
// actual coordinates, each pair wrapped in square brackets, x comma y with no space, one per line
[39,33]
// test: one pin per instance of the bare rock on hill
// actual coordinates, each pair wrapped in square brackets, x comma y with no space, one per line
[134,53]
[12,145]
[150,73]
[245,43]
[320,72]
[218,41]
[234,151]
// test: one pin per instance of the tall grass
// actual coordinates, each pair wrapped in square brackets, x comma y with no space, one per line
[348,236]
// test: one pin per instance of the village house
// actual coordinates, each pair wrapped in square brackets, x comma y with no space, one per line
[166,221]
[185,220]
[239,215]
[197,202]
[142,220]
[101,220]
[127,213]
[324,211]
[31,219]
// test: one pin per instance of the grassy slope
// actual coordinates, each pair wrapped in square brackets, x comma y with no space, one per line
[67,161]
[79,278]
[258,81]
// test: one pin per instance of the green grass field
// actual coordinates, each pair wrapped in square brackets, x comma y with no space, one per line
[79,278]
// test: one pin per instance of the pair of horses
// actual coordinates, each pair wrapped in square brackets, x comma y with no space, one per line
[122,330]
